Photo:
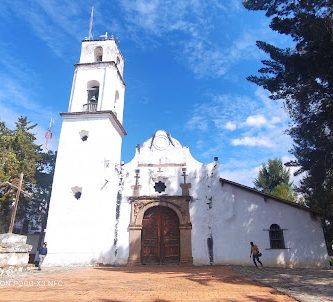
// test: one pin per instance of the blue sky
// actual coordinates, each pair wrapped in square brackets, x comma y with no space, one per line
[186,63]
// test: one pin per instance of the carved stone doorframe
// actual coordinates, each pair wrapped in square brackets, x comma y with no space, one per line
[180,205]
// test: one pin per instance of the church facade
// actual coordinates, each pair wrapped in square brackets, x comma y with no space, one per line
[162,207]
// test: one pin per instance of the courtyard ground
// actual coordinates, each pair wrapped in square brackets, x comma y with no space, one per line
[306,285]
[162,284]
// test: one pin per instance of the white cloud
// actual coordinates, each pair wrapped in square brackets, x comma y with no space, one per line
[240,176]
[275,120]
[230,126]
[246,147]
[240,171]
[244,47]
[200,55]
[275,107]
[256,120]
[56,22]
[219,110]
[198,122]
[207,59]
[160,17]
[207,50]
[252,141]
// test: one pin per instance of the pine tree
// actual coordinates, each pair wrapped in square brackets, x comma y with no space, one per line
[33,212]
[20,154]
[9,165]
[274,178]
[302,77]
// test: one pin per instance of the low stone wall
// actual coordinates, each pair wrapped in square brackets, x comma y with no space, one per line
[9,271]
[14,252]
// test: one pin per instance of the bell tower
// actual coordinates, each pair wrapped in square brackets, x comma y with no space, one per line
[98,83]
[81,221]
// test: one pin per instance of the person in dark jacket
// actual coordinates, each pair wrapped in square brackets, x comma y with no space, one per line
[42,254]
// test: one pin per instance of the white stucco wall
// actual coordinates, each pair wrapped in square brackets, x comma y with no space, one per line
[106,75]
[94,228]
[82,231]
[110,52]
[238,216]
[230,214]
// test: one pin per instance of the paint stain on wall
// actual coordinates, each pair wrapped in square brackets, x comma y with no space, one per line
[210,245]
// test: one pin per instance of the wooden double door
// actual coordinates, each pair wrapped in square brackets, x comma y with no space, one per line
[160,242]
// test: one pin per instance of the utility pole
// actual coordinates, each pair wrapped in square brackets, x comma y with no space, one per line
[17,197]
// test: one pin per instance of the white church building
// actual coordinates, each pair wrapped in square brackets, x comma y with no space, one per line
[163,206]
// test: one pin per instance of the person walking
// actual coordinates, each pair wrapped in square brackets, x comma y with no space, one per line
[42,254]
[255,254]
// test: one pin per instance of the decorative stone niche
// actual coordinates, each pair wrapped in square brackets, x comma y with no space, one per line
[77,192]
[84,135]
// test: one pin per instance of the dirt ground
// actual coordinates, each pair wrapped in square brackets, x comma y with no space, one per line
[120,284]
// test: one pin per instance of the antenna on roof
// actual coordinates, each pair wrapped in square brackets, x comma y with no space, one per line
[90,36]
[104,36]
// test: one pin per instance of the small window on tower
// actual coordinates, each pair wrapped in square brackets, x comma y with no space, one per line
[98,54]
[118,61]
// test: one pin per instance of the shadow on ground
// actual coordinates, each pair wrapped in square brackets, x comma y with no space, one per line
[202,275]
[144,283]
[303,283]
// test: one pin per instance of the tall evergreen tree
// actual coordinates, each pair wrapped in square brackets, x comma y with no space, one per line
[32,212]
[20,154]
[302,76]
[9,164]
[273,178]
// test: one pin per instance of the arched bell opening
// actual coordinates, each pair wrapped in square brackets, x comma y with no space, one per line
[98,53]
[92,96]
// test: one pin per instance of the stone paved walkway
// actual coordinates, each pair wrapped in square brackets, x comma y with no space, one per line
[307,285]
[138,284]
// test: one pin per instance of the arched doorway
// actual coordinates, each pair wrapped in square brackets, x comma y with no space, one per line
[179,206]
[160,240]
